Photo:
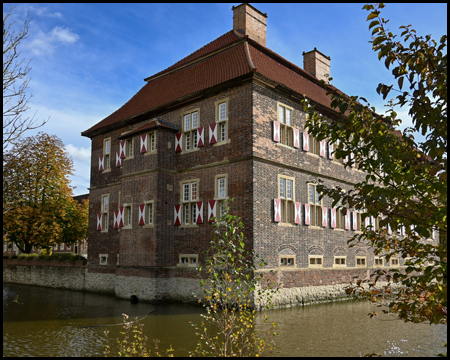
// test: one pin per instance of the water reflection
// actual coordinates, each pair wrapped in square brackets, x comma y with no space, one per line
[53,322]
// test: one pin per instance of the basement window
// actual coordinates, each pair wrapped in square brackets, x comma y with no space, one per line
[394,262]
[378,261]
[315,260]
[361,261]
[188,260]
[287,260]
[340,261]
[103,259]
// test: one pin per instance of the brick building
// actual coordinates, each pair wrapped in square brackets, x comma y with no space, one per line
[224,122]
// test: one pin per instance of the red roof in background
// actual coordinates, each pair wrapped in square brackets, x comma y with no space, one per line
[218,68]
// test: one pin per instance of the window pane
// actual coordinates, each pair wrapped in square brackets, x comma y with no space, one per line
[186,214]
[222,187]
[107,146]
[317,196]
[152,141]
[222,208]
[130,147]
[150,213]
[195,120]
[194,213]
[188,141]
[223,111]
[282,188]
[105,203]
[187,122]
[194,191]
[289,189]
[223,131]
[186,192]
[195,139]
[281,114]
[288,117]
[311,194]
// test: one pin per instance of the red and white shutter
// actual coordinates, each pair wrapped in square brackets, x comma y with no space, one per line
[99,221]
[116,219]
[178,142]
[277,210]
[212,205]
[200,136]
[324,217]
[213,133]
[355,220]
[322,148]
[142,214]
[330,151]
[121,216]
[276,131]
[101,163]
[199,212]
[367,221]
[347,220]
[307,214]
[296,138]
[144,138]
[297,213]
[118,159]
[122,147]
[305,141]
[177,219]
[333,218]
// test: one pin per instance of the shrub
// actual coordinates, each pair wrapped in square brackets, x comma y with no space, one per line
[5,257]
[22,256]
[13,256]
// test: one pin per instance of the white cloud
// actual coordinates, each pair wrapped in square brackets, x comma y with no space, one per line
[79,153]
[64,35]
[45,43]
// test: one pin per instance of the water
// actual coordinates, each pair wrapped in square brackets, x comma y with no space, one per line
[53,322]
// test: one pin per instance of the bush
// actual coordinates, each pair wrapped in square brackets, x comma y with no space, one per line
[5,257]
[32,257]
[22,256]
[13,256]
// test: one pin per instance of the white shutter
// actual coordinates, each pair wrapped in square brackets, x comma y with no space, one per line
[305,142]
[333,218]
[213,133]
[330,151]
[199,212]
[298,215]
[99,221]
[322,148]
[101,163]
[276,131]
[144,145]
[355,220]
[200,136]
[177,213]
[307,214]
[142,214]
[212,205]
[178,142]
[324,217]
[277,210]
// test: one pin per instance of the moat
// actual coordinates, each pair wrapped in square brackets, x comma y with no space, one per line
[54,322]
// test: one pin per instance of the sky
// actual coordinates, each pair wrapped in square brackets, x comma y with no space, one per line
[90,59]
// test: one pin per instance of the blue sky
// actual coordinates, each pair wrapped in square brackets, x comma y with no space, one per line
[89,59]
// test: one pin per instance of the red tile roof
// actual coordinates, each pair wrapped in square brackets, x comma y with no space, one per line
[199,71]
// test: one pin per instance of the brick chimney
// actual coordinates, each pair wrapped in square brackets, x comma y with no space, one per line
[250,21]
[317,64]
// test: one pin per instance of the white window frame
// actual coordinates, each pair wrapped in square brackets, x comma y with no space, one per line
[315,206]
[222,122]
[315,257]
[362,259]
[340,261]
[103,259]
[287,202]
[105,212]
[187,260]
[188,205]
[149,213]
[129,143]
[107,154]
[127,216]
[190,132]
[286,130]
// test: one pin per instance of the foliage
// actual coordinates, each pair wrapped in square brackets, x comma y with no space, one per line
[15,83]
[406,181]
[228,285]
[133,342]
[38,208]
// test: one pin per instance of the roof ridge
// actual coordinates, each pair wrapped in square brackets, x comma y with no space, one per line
[191,56]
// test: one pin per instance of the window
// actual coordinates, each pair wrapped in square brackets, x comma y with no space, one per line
[189,197]
[378,261]
[129,148]
[337,145]
[316,205]
[149,213]
[221,193]
[105,211]
[222,120]
[190,125]
[358,220]
[285,120]
[103,259]
[56,246]
[315,260]
[340,217]
[286,193]
[188,260]
[62,246]
[314,145]
[361,261]
[394,262]
[287,260]
[127,216]
[340,261]
[150,144]
[107,153]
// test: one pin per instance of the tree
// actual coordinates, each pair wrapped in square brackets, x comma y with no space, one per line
[230,292]
[406,181]
[15,83]
[38,208]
